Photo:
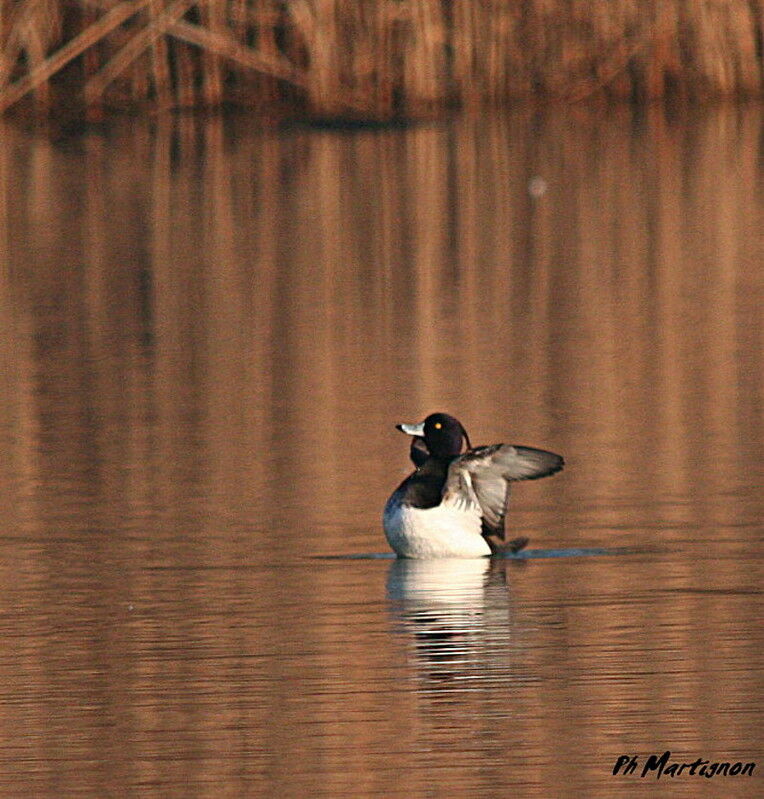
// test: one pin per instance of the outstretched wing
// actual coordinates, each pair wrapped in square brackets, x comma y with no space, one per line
[512,462]
[483,475]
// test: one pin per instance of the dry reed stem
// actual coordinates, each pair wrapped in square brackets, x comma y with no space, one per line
[62,57]
[9,54]
[264,24]
[607,74]
[212,16]
[29,28]
[317,22]
[95,87]
[35,50]
[91,58]
[228,47]
[160,62]
[140,83]
[185,93]
[381,57]
[273,65]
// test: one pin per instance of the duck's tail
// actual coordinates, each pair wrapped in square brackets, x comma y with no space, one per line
[500,547]
[516,544]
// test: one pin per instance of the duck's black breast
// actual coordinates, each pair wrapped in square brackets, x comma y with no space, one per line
[424,488]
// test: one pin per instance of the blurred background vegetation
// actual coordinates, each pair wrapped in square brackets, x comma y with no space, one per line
[373,59]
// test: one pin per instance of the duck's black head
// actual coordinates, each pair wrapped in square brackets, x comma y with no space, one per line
[443,434]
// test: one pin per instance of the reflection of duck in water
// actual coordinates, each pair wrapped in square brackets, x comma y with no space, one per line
[458,616]
[453,505]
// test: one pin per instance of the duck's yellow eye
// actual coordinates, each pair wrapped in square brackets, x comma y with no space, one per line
[437,425]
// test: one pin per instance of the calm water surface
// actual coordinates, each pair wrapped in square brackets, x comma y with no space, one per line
[207,332]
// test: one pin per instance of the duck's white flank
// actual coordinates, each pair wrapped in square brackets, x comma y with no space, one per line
[449,530]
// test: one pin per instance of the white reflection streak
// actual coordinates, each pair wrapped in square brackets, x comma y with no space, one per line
[456,613]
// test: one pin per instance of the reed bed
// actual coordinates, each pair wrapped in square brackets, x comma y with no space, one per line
[373,58]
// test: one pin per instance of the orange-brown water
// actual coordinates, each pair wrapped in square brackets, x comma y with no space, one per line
[207,333]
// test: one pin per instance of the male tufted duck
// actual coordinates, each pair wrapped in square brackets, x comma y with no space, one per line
[453,505]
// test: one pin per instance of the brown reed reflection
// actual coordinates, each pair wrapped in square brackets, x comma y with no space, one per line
[207,332]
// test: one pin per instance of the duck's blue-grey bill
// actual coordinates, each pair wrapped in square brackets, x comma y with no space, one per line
[412,429]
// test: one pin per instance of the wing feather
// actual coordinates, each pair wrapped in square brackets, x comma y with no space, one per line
[482,476]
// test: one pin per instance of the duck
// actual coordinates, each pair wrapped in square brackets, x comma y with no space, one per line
[454,502]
